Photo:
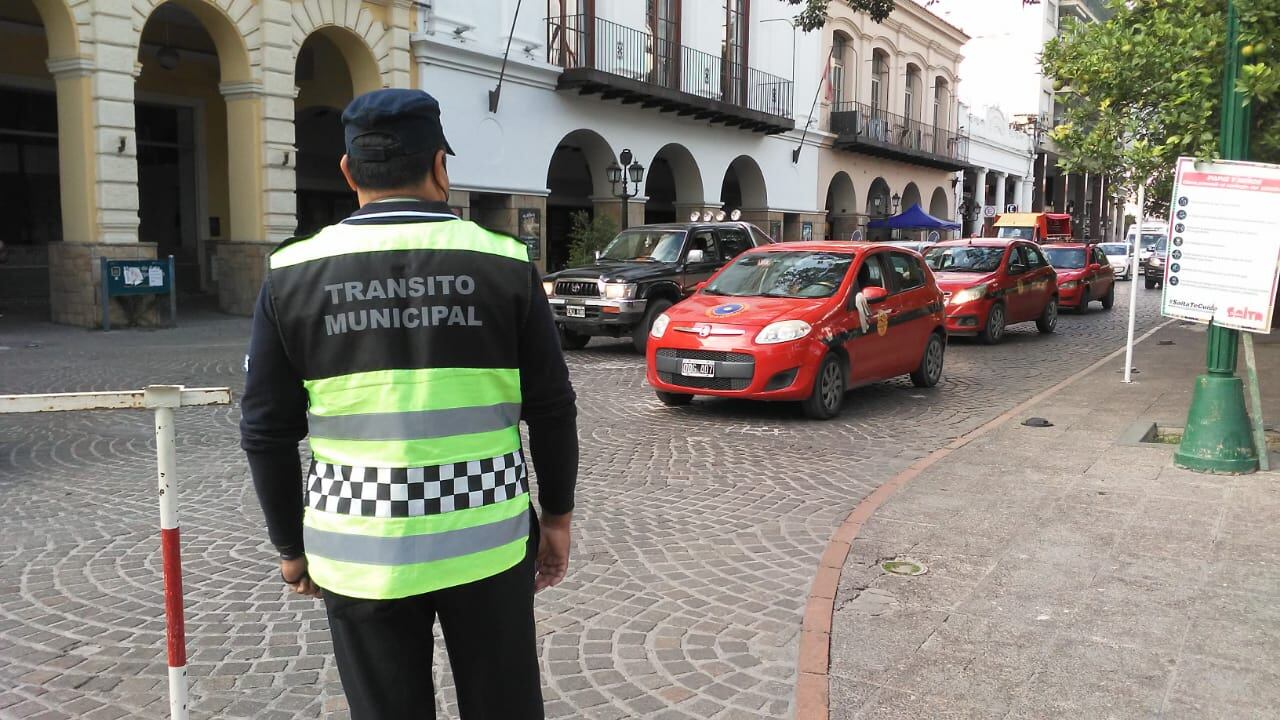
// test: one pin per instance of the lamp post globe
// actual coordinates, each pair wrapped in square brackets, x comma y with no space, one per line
[636,171]
[613,173]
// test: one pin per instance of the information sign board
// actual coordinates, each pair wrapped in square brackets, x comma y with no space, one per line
[1223,259]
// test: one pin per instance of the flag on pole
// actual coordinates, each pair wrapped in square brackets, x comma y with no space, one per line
[828,92]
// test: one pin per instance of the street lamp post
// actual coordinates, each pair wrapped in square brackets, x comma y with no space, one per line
[630,170]
[897,201]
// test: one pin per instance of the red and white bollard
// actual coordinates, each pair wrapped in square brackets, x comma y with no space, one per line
[163,399]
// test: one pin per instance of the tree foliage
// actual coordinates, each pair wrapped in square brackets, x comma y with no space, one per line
[587,234]
[814,13]
[1145,87]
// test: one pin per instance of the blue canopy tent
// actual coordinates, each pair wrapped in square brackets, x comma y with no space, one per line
[913,218]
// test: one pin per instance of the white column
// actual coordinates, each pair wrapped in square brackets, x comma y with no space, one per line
[1001,182]
[979,197]
[1028,189]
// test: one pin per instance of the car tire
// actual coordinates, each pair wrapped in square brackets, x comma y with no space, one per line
[993,330]
[570,340]
[1048,320]
[1109,300]
[929,372]
[1149,281]
[674,399]
[640,335]
[829,387]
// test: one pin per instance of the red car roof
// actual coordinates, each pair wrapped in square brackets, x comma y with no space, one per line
[836,246]
[979,242]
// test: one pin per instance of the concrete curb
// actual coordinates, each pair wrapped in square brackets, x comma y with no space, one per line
[812,699]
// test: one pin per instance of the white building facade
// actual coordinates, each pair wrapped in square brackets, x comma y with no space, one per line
[1002,173]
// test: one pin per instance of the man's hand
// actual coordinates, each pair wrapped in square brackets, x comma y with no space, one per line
[553,551]
[294,574]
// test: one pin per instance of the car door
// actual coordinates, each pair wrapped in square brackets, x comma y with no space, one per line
[1104,276]
[1017,294]
[868,347]
[692,273]
[1041,281]
[910,324]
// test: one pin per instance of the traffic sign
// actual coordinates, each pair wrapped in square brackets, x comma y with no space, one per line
[988,211]
[1228,262]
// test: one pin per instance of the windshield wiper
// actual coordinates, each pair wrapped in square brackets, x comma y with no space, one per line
[712,291]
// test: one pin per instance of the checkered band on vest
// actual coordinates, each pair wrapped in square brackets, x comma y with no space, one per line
[412,492]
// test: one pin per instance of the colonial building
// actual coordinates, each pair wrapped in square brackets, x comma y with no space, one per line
[1001,176]
[888,119]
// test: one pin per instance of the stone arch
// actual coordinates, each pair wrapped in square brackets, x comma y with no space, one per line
[939,205]
[363,40]
[60,28]
[842,207]
[910,196]
[744,183]
[577,182]
[673,185]
[228,32]
[878,206]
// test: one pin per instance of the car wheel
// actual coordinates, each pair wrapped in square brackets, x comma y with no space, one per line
[640,335]
[993,331]
[1109,300]
[570,340]
[1149,281]
[674,399]
[828,390]
[1048,320]
[930,371]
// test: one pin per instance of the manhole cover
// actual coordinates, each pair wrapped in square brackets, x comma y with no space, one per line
[1037,422]
[904,566]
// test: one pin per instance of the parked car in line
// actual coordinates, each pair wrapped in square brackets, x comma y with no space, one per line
[1084,275]
[991,283]
[802,322]
[1153,268]
[640,274]
[1120,259]
[1147,234]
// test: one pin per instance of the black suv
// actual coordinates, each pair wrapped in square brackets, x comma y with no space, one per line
[642,272]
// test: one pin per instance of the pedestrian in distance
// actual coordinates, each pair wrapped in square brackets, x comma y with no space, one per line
[409,344]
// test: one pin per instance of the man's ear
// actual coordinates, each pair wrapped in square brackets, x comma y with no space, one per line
[346,172]
[440,173]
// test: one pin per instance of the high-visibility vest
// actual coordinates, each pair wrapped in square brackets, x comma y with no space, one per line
[406,336]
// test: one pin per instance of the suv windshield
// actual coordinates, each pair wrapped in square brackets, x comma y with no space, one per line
[964,258]
[783,274]
[1150,239]
[1065,258]
[1114,249]
[646,245]
[1162,246]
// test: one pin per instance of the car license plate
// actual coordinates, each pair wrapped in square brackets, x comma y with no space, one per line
[575,311]
[696,368]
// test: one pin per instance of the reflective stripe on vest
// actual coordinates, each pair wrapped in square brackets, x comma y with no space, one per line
[418,481]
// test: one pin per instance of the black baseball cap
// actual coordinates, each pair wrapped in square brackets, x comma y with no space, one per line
[411,118]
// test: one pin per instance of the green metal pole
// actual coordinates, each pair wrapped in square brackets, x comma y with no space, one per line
[1217,437]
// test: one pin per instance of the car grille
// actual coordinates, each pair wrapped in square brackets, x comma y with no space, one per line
[698,383]
[715,355]
[577,288]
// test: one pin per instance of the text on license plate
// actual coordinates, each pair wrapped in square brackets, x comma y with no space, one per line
[575,311]
[697,368]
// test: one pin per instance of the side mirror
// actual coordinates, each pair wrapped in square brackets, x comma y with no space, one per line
[874,294]
[695,256]
[1017,268]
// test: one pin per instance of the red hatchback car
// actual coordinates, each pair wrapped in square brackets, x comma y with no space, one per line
[991,283]
[802,321]
[1084,275]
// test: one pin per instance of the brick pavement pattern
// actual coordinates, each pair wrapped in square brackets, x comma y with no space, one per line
[697,536]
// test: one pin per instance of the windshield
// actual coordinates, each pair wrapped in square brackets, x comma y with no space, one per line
[1162,246]
[1114,249]
[1150,239]
[1019,233]
[647,245]
[1065,258]
[783,274]
[964,258]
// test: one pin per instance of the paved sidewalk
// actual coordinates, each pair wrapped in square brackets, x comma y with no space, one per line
[1071,574]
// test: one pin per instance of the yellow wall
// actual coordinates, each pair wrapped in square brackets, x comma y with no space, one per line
[330,85]
[24,55]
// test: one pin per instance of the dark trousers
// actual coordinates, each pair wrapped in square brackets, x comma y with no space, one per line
[383,648]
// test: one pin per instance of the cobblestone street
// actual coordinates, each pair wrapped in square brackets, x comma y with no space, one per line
[697,534]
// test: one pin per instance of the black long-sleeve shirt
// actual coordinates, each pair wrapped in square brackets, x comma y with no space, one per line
[274,412]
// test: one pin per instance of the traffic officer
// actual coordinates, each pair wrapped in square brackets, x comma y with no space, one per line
[409,344]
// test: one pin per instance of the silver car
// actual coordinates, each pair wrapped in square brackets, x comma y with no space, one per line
[1120,259]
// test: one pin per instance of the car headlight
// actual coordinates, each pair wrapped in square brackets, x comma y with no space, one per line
[619,291]
[549,287]
[1070,285]
[1157,260]
[660,326]
[784,331]
[970,294]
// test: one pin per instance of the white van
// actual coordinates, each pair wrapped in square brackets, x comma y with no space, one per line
[1152,232]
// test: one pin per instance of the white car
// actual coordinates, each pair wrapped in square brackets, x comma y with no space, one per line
[1120,259]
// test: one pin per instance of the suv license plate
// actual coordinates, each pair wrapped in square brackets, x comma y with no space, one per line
[695,368]
[575,311]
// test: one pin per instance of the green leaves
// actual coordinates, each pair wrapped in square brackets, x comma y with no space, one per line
[814,14]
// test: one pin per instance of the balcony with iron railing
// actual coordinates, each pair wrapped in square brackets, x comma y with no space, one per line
[872,131]
[618,62]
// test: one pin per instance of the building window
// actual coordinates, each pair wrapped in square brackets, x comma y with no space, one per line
[734,54]
[879,81]
[912,94]
[839,49]
[663,17]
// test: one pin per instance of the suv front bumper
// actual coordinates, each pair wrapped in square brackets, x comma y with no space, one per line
[605,315]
